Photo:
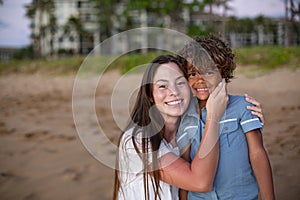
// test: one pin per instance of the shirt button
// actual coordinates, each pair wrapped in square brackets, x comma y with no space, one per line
[226,128]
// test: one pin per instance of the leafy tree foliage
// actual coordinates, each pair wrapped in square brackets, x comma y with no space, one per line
[43,6]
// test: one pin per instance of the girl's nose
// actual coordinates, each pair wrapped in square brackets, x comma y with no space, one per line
[174,91]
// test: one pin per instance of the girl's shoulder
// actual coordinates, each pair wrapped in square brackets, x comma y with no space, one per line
[128,135]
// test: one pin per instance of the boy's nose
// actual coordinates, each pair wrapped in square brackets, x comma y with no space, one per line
[198,77]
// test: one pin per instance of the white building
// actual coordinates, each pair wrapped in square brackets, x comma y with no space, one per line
[74,16]
[65,37]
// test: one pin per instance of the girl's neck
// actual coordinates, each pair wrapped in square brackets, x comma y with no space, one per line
[170,131]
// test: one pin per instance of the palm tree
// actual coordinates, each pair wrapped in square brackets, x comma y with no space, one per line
[226,7]
[292,13]
[295,18]
[218,4]
[74,24]
[39,9]
[106,11]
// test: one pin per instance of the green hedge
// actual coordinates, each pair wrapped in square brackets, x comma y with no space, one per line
[262,57]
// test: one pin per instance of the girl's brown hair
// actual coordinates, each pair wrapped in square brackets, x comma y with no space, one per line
[151,125]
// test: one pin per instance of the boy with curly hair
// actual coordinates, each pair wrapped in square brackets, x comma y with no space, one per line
[244,169]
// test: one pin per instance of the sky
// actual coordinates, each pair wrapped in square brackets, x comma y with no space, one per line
[15,32]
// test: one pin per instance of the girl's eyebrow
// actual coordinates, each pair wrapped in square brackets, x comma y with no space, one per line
[161,80]
[179,77]
[164,80]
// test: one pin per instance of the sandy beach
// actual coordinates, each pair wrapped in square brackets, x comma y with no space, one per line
[43,157]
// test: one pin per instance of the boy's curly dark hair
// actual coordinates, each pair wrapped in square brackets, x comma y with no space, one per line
[219,51]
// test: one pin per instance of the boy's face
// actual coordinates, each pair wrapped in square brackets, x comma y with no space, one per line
[204,82]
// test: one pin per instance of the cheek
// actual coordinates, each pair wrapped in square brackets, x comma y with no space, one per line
[186,91]
[158,96]
[213,83]
[217,78]
[191,82]
[217,81]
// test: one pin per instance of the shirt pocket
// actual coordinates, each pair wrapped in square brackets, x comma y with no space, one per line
[231,135]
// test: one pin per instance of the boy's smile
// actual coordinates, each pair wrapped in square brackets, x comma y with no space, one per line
[202,84]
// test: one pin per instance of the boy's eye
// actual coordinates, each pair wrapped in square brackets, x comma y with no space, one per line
[192,74]
[209,73]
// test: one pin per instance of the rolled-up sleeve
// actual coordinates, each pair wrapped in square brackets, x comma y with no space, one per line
[249,121]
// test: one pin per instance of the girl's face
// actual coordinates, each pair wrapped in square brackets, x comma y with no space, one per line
[171,91]
[203,83]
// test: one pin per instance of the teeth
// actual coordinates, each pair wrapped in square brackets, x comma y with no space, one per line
[202,89]
[174,102]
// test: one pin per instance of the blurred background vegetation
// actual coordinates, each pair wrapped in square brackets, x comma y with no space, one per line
[261,58]
[109,17]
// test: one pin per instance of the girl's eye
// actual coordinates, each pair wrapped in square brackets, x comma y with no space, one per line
[162,86]
[180,83]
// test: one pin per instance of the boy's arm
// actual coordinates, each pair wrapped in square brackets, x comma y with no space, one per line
[260,164]
[185,154]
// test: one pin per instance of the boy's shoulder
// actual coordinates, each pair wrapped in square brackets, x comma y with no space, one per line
[236,100]
[237,104]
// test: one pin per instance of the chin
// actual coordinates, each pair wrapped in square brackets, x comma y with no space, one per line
[202,98]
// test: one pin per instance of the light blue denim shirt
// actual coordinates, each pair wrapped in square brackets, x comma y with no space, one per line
[234,178]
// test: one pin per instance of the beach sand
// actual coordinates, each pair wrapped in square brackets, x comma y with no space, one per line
[43,157]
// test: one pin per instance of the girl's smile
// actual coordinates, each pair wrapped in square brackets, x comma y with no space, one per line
[171,91]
